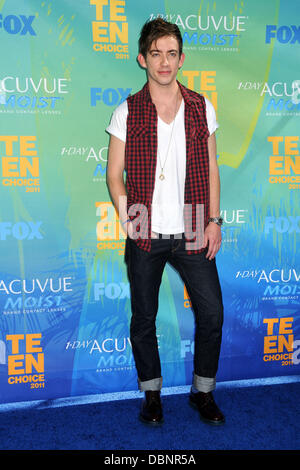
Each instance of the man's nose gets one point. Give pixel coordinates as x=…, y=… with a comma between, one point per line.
x=164, y=59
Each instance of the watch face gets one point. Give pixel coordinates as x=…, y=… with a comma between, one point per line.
x=216, y=220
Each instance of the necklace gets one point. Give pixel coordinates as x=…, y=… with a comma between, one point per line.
x=162, y=176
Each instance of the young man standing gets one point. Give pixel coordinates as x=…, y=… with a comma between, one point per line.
x=163, y=137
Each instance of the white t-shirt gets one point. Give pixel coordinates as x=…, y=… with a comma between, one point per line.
x=168, y=194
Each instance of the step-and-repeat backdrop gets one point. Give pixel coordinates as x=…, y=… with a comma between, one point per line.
x=64, y=293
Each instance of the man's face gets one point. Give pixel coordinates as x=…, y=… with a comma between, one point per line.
x=162, y=61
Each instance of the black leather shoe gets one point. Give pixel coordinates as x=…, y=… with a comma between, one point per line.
x=205, y=404
x=151, y=412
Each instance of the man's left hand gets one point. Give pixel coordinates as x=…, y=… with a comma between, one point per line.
x=212, y=239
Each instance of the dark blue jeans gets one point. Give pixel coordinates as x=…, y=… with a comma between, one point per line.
x=200, y=276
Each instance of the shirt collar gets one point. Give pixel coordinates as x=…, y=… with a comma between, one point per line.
x=186, y=93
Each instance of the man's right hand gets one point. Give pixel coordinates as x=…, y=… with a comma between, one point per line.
x=129, y=228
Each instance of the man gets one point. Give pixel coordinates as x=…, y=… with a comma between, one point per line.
x=163, y=137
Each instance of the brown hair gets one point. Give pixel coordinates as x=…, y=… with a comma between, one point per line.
x=155, y=29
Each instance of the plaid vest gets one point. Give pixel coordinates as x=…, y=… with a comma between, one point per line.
x=140, y=166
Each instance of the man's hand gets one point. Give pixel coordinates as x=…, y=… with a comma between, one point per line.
x=129, y=229
x=212, y=239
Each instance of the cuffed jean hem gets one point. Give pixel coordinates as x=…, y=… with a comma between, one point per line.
x=204, y=384
x=153, y=384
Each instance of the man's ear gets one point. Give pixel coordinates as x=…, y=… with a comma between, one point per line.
x=181, y=60
x=141, y=61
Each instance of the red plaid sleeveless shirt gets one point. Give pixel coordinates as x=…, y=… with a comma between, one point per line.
x=140, y=164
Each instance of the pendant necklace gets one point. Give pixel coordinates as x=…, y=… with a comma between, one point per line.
x=162, y=176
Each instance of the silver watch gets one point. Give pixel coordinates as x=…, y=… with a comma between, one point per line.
x=216, y=220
